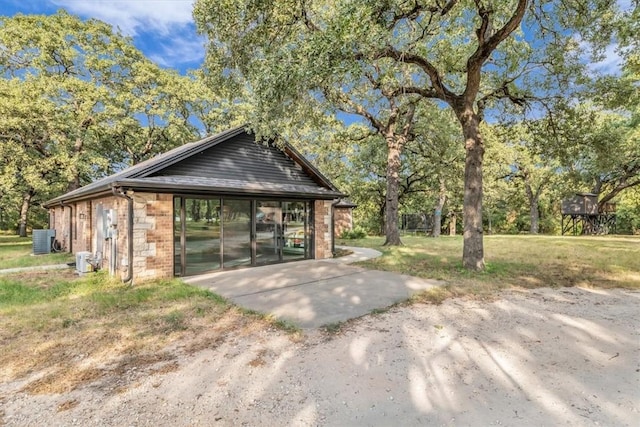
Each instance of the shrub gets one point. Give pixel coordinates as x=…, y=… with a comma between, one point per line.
x=356, y=233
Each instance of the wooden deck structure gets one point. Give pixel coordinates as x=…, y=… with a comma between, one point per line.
x=582, y=215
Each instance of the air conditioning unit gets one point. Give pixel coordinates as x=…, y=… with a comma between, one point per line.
x=42, y=240
x=82, y=263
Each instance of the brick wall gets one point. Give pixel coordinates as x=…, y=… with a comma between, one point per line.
x=82, y=226
x=152, y=233
x=322, y=227
x=59, y=220
x=73, y=226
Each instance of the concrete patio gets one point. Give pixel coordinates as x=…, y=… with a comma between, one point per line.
x=314, y=293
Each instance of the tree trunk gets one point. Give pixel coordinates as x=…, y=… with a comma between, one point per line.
x=437, y=214
x=392, y=232
x=24, y=213
x=381, y=214
x=452, y=224
x=473, y=249
x=534, y=210
x=534, y=213
x=74, y=183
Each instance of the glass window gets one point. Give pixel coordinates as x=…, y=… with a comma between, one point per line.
x=236, y=231
x=199, y=220
x=210, y=234
x=269, y=232
x=296, y=234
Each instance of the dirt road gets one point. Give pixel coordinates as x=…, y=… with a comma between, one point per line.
x=533, y=357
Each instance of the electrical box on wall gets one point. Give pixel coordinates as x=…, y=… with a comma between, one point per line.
x=111, y=218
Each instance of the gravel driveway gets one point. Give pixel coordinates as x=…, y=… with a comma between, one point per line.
x=566, y=356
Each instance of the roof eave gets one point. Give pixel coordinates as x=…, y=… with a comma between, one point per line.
x=61, y=200
x=223, y=191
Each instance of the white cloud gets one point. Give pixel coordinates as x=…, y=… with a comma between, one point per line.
x=134, y=16
x=164, y=27
x=611, y=63
x=182, y=50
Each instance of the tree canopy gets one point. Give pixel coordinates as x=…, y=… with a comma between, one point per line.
x=78, y=100
x=384, y=57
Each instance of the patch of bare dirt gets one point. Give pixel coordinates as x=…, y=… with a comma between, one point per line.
x=566, y=356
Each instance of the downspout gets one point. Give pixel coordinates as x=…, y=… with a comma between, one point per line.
x=119, y=193
x=66, y=205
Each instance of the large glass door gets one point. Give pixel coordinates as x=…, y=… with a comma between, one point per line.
x=296, y=234
x=210, y=234
x=236, y=233
x=269, y=232
x=196, y=235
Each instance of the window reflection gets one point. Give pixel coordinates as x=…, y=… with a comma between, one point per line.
x=236, y=232
x=210, y=234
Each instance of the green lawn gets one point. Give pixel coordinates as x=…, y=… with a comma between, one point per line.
x=522, y=261
x=16, y=252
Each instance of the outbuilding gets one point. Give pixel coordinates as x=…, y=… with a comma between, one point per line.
x=225, y=201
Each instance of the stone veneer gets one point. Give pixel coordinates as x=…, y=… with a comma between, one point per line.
x=343, y=220
x=322, y=227
x=152, y=235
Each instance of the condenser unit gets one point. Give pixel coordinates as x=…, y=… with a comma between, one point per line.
x=83, y=264
x=42, y=241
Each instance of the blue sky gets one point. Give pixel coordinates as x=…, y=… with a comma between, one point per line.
x=162, y=29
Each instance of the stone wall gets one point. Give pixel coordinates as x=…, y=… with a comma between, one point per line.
x=152, y=235
x=343, y=220
x=322, y=227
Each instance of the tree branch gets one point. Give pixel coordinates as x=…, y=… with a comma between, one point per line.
x=487, y=46
x=438, y=87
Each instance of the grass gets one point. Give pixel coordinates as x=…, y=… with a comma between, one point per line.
x=513, y=261
x=60, y=331
x=16, y=252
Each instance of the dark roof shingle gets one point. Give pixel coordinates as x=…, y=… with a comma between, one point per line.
x=156, y=174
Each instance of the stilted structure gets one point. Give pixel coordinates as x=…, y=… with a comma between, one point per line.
x=581, y=215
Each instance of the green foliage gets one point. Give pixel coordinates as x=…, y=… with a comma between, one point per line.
x=519, y=261
x=355, y=233
x=14, y=293
x=104, y=294
x=77, y=101
x=380, y=60
x=628, y=212
x=333, y=328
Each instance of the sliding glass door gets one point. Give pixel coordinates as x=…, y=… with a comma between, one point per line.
x=296, y=236
x=269, y=232
x=215, y=233
x=236, y=231
x=196, y=235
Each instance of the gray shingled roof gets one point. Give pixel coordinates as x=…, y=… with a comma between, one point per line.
x=141, y=177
